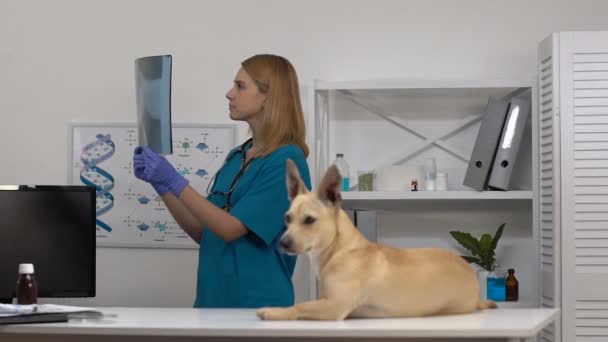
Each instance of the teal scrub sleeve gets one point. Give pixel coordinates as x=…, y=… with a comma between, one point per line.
x=262, y=209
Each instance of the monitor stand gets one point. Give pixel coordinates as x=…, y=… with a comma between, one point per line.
x=6, y=300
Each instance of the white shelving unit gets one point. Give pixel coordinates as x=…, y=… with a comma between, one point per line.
x=435, y=195
x=407, y=108
x=393, y=200
x=516, y=305
x=391, y=122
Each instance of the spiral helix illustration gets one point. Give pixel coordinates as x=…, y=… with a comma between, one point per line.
x=91, y=155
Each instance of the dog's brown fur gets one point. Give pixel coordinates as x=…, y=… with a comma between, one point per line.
x=359, y=278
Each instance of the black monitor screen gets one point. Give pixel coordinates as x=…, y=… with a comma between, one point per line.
x=52, y=227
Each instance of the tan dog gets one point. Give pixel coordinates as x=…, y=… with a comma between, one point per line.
x=363, y=279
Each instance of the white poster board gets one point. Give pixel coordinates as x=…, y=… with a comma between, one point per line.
x=129, y=213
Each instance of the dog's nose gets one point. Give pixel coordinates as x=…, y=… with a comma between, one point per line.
x=286, y=242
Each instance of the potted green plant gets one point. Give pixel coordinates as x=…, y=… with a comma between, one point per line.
x=483, y=252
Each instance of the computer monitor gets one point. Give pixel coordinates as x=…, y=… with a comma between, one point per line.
x=153, y=94
x=52, y=227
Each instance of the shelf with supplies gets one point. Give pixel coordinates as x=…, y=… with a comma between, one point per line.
x=389, y=130
x=517, y=305
x=391, y=127
x=434, y=200
x=435, y=195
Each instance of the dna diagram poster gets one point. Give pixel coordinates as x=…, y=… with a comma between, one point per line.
x=129, y=212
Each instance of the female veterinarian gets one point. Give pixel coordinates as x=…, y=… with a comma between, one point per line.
x=239, y=222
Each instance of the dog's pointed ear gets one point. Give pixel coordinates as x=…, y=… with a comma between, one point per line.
x=295, y=185
x=329, y=189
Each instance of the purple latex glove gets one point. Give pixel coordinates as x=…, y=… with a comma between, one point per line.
x=138, y=169
x=156, y=170
x=160, y=189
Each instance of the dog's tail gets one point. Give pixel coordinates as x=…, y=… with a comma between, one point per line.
x=486, y=304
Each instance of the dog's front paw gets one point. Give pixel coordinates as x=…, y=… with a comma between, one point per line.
x=276, y=314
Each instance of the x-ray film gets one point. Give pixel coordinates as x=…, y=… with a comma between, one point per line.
x=153, y=92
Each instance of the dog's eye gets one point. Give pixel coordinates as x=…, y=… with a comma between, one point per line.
x=287, y=218
x=309, y=220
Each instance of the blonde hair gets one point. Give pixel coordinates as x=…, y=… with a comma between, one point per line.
x=283, y=118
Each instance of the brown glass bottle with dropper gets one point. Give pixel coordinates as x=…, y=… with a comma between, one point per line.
x=512, y=286
x=27, y=289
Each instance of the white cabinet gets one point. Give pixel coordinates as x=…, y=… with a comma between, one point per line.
x=403, y=122
x=573, y=130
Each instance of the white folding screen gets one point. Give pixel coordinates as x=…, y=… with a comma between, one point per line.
x=549, y=193
x=584, y=91
x=579, y=206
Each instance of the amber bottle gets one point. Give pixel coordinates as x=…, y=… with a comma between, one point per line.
x=512, y=286
x=27, y=289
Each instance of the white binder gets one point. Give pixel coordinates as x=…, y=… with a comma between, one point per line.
x=510, y=142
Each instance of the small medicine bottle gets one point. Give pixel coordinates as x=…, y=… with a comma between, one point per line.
x=512, y=286
x=27, y=289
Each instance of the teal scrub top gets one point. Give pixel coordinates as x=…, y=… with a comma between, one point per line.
x=250, y=272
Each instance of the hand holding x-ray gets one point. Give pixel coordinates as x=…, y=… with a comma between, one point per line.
x=156, y=170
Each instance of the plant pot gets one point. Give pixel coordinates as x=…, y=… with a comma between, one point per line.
x=482, y=278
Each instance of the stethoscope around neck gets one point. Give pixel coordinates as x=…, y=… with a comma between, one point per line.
x=241, y=150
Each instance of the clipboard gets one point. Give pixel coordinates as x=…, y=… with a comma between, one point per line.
x=44, y=313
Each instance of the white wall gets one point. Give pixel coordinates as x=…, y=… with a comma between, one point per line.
x=63, y=61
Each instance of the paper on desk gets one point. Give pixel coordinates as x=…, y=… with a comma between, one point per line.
x=9, y=310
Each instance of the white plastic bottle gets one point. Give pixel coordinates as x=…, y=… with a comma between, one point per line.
x=430, y=174
x=343, y=169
